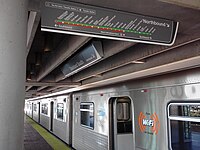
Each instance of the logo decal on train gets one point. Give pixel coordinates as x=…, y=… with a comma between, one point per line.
x=149, y=123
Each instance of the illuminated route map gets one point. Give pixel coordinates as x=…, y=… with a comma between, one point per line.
x=75, y=18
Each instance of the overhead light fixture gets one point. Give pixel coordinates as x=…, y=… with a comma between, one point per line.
x=32, y=69
x=138, y=62
x=28, y=77
x=48, y=43
x=47, y=49
x=98, y=75
x=38, y=59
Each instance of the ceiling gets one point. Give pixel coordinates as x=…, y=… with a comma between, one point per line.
x=47, y=52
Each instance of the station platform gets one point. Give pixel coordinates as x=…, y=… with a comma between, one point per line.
x=38, y=138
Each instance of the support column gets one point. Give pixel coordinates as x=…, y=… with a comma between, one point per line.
x=13, y=25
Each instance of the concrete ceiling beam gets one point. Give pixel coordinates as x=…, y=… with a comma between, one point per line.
x=70, y=84
x=34, y=5
x=41, y=88
x=137, y=52
x=28, y=88
x=195, y=4
x=109, y=48
x=186, y=52
x=33, y=21
x=179, y=63
x=67, y=47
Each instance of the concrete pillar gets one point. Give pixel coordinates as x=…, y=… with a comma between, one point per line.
x=13, y=22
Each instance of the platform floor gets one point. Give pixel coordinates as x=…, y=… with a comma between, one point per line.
x=33, y=140
x=37, y=138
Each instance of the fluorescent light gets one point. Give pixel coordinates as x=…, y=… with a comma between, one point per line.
x=98, y=75
x=138, y=62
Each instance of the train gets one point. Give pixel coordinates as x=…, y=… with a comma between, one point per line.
x=159, y=112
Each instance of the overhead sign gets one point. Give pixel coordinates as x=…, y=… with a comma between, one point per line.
x=80, y=19
x=83, y=59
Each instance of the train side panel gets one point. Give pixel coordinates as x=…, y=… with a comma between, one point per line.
x=153, y=125
x=28, y=109
x=90, y=132
x=36, y=111
x=150, y=117
x=45, y=113
x=61, y=118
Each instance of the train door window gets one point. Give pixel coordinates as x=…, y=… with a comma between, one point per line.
x=123, y=111
x=87, y=115
x=124, y=121
x=26, y=106
x=35, y=107
x=60, y=107
x=184, y=123
x=45, y=108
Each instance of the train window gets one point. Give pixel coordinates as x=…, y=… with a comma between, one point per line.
x=87, y=114
x=184, y=123
x=185, y=110
x=34, y=107
x=123, y=111
x=60, y=107
x=45, y=108
x=27, y=106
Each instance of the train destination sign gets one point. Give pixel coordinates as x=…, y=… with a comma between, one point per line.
x=79, y=19
x=83, y=59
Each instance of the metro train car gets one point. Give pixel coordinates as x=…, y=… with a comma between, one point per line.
x=53, y=114
x=155, y=113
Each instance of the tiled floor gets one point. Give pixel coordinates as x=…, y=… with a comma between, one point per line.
x=33, y=140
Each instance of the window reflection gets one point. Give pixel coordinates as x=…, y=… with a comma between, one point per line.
x=45, y=108
x=87, y=114
x=185, y=135
x=60, y=107
x=124, y=121
x=185, y=126
x=35, y=107
x=185, y=110
x=123, y=111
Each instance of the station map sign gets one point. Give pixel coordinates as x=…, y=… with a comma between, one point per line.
x=80, y=19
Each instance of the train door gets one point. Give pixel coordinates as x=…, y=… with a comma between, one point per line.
x=120, y=124
x=38, y=112
x=51, y=115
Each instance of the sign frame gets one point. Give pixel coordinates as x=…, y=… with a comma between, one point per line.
x=54, y=27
